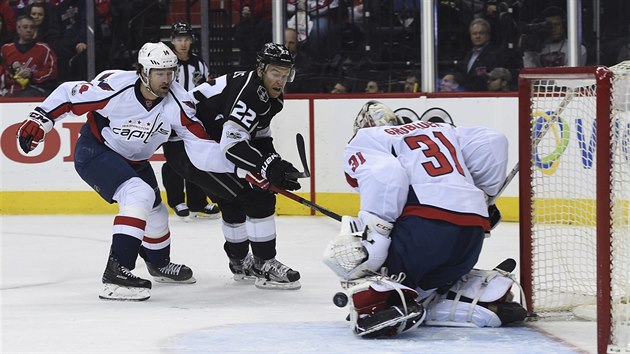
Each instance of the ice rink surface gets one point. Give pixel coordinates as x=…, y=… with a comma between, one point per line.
x=50, y=279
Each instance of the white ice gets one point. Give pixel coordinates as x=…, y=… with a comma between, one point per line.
x=52, y=265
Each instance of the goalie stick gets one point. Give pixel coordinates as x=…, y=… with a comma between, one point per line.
x=561, y=107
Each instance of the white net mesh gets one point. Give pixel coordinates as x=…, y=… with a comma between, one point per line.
x=564, y=198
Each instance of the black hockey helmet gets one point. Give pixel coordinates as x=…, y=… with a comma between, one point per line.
x=275, y=54
x=181, y=28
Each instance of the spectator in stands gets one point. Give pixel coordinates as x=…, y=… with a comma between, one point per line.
x=253, y=30
x=72, y=50
x=47, y=26
x=298, y=19
x=372, y=87
x=187, y=200
x=554, y=50
x=340, y=87
x=302, y=60
x=482, y=58
x=31, y=67
x=499, y=79
x=411, y=83
x=303, y=64
x=324, y=16
x=5, y=35
x=103, y=34
x=450, y=83
x=8, y=17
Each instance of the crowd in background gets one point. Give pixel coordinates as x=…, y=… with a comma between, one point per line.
x=340, y=46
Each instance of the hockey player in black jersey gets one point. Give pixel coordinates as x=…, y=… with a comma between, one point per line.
x=237, y=109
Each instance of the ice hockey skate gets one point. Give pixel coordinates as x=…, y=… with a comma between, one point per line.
x=272, y=274
x=120, y=284
x=210, y=211
x=242, y=269
x=182, y=211
x=171, y=273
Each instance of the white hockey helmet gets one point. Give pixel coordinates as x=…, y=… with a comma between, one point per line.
x=374, y=114
x=436, y=115
x=156, y=56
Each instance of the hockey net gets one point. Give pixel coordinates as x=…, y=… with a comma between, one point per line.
x=574, y=161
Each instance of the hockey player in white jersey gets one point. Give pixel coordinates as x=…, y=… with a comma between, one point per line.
x=129, y=115
x=423, y=187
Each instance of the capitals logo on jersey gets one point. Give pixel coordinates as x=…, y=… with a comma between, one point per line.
x=80, y=88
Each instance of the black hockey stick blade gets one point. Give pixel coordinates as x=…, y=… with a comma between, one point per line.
x=299, y=140
x=507, y=265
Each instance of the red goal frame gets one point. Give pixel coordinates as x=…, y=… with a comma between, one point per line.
x=603, y=78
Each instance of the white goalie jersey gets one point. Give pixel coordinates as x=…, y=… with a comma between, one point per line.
x=432, y=170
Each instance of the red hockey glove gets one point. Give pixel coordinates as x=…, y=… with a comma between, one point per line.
x=33, y=130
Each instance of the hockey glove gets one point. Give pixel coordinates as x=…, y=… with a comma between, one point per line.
x=494, y=215
x=33, y=130
x=279, y=172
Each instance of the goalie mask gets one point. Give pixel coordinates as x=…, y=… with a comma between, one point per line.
x=375, y=114
x=436, y=115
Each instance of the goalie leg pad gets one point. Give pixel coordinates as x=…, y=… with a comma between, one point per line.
x=478, y=299
x=382, y=307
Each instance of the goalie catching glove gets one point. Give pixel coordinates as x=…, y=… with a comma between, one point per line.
x=361, y=247
x=279, y=172
x=33, y=130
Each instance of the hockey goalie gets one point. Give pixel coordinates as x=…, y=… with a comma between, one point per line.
x=408, y=257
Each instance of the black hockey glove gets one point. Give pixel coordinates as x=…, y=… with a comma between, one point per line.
x=494, y=215
x=279, y=172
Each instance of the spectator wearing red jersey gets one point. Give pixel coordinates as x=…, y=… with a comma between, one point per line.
x=31, y=67
x=8, y=16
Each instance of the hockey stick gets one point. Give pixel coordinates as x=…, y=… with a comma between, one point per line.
x=299, y=140
x=264, y=184
x=561, y=107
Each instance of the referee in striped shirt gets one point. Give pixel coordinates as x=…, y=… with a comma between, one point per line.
x=192, y=71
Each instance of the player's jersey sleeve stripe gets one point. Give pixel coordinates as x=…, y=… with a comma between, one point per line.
x=77, y=108
x=193, y=127
x=352, y=181
x=80, y=108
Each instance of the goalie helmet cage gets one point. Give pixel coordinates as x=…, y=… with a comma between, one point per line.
x=574, y=191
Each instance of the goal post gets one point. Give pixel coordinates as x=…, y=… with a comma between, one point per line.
x=574, y=190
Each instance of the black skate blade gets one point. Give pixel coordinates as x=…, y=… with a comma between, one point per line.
x=507, y=265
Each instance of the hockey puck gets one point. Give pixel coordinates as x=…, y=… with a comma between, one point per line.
x=340, y=299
